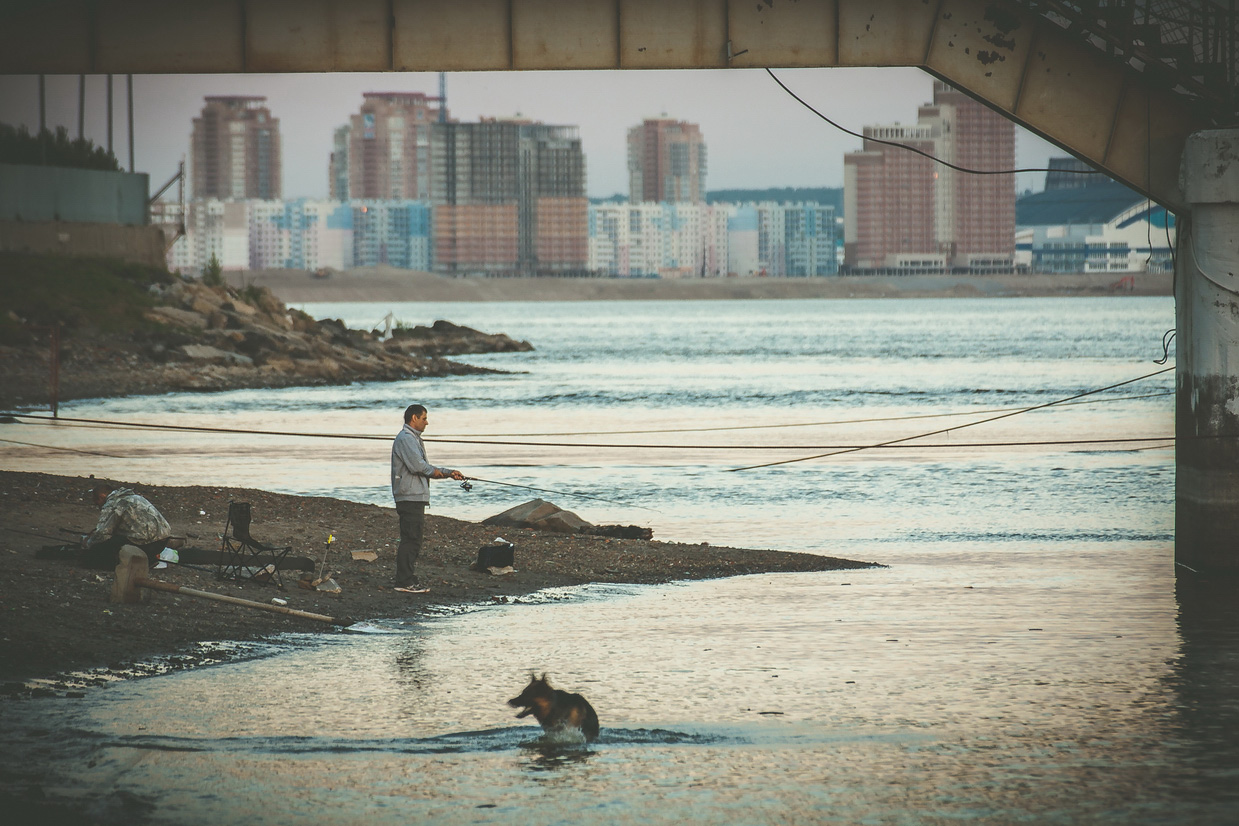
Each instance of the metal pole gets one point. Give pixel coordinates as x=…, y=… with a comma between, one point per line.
x=109, y=114
x=54, y=390
x=129, y=89
x=81, y=107
x=42, y=119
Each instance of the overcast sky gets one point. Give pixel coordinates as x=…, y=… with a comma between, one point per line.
x=757, y=136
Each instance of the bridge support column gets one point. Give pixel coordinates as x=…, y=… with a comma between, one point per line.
x=1207, y=346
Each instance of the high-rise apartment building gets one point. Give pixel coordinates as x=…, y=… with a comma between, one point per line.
x=905, y=213
x=388, y=151
x=235, y=149
x=666, y=162
x=509, y=198
x=337, y=165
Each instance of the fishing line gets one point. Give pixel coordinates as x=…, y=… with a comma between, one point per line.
x=960, y=427
x=466, y=486
x=68, y=449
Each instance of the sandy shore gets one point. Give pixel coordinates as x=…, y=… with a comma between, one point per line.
x=60, y=632
x=392, y=285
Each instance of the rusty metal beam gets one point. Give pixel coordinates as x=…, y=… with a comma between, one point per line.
x=1009, y=58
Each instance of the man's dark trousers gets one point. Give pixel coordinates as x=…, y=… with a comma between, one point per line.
x=412, y=518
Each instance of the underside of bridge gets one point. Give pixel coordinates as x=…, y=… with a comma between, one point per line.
x=1143, y=90
x=1119, y=84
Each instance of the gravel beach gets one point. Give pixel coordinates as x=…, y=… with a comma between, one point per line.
x=60, y=632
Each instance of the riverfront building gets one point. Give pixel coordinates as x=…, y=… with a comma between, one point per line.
x=509, y=199
x=1090, y=223
x=666, y=162
x=385, y=150
x=658, y=240
x=304, y=234
x=682, y=240
x=906, y=213
x=235, y=149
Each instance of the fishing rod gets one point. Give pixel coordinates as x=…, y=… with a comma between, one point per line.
x=468, y=479
x=59, y=539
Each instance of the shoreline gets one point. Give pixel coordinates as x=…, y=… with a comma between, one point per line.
x=387, y=284
x=62, y=634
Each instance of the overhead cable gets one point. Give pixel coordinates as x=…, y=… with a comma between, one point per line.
x=948, y=164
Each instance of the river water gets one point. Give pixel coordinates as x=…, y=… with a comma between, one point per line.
x=1026, y=655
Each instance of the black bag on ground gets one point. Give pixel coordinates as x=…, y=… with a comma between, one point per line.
x=498, y=554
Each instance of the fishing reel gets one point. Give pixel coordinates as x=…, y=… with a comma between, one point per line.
x=466, y=485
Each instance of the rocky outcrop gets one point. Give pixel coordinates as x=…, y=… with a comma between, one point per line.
x=444, y=338
x=199, y=337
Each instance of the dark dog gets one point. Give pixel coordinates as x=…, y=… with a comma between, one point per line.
x=558, y=711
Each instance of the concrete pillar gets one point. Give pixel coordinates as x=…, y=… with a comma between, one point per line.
x=1207, y=346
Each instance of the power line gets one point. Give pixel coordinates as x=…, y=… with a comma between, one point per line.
x=948, y=164
x=104, y=424
x=722, y=428
x=652, y=446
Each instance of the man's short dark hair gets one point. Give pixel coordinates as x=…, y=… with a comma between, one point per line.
x=413, y=410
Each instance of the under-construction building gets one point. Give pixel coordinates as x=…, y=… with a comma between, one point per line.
x=235, y=148
x=509, y=199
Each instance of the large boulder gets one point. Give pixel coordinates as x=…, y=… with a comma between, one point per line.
x=540, y=515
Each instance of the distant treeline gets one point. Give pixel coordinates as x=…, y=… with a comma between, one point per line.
x=49, y=148
x=824, y=195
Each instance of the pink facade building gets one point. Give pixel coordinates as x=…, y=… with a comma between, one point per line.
x=235, y=149
x=666, y=162
x=389, y=149
x=905, y=213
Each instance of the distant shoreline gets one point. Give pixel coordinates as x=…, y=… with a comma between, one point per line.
x=387, y=284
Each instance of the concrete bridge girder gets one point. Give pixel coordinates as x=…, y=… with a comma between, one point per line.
x=1016, y=62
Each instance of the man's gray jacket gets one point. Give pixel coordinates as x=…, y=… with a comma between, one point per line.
x=410, y=472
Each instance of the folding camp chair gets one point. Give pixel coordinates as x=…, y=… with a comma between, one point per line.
x=243, y=557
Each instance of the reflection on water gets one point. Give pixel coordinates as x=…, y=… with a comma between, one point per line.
x=1053, y=694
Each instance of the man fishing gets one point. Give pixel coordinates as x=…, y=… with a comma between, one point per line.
x=410, y=487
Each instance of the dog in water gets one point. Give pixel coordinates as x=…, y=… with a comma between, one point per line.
x=559, y=712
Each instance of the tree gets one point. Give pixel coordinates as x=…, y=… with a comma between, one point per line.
x=49, y=148
x=213, y=273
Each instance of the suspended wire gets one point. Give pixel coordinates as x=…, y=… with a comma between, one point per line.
x=1167, y=337
x=772, y=448
x=727, y=447
x=107, y=424
x=960, y=427
x=948, y=164
x=785, y=425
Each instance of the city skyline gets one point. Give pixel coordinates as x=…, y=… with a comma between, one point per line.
x=757, y=135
